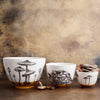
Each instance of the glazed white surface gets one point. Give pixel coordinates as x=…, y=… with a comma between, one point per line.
x=93, y=78
x=11, y=62
x=69, y=67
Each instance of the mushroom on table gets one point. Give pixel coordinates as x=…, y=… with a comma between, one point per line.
x=41, y=87
x=19, y=69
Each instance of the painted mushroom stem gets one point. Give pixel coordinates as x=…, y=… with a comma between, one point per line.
x=9, y=73
x=85, y=78
x=26, y=63
x=89, y=78
x=27, y=75
x=19, y=69
x=14, y=78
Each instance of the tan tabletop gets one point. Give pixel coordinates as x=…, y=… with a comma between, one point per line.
x=74, y=92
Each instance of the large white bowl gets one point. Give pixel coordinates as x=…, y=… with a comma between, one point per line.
x=60, y=74
x=24, y=72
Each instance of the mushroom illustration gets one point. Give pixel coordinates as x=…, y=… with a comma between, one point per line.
x=89, y=76
x=27, y=75
x=19, y=69
x=26, y=63
x=85, y=78
x=14, y=78
x=9, y=72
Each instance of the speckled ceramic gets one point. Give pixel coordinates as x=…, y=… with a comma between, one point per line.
x=87, y=78
x=60, y=74
x=23, y=72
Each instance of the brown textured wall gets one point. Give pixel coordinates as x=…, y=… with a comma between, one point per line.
x=60, y=30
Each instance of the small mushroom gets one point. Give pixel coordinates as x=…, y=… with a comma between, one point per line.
x=79, y=68
x=52, y=87
x=41, y=87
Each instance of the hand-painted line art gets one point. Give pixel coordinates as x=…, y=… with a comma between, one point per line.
x=87, y=78
x=28, y=72
x=59, y=77
x=9, y=71
x=19, y=69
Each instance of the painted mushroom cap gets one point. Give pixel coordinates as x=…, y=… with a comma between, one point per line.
x=19, y=69
x=8, y=69
x=28, y=73
x=89, y=76
x=26, y=62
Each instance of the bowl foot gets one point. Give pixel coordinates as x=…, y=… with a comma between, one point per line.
x=24, y=85
x=28, y=87
x=87, y=85
x=62, y=85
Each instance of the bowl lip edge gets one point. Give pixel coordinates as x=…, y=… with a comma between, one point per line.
x=59, y=64
x=24, y=58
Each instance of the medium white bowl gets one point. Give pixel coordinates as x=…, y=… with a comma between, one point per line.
x=60, y=74
x=23, y=72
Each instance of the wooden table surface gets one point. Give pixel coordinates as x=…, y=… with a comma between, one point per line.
x=74, y=92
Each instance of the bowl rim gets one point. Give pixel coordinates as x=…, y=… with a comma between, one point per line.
x=59, y=64
x=88, y=72
x=24, y=58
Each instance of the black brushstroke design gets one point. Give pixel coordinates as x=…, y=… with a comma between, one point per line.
x=27, y=75
x=59, y=77
x=87, y=77
x=14, y=78
x=28, y=72
x=19, y=69
x=9, y=71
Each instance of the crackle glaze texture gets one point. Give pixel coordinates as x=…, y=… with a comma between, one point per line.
x=60, y=30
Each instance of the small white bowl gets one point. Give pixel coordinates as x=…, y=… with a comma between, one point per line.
x=87, y=78
x=23, y=72
x=60, y=74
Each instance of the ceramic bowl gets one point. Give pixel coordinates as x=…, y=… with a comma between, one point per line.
x=23, y=72
x=60, y=74
x=87, y=79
